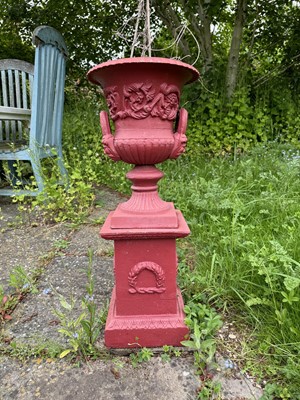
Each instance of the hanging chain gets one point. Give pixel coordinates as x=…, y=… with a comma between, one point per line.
x=143, y=12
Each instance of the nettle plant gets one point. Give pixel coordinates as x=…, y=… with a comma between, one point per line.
x=281, y=287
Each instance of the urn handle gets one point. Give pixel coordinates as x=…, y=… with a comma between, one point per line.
x=180, y=138
x=108, y=138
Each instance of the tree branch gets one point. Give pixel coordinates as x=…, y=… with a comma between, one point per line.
x=170, y=18
x=233, y=60
x=201, y=30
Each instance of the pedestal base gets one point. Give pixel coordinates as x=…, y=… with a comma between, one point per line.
x=146, y=308
x=145, y=330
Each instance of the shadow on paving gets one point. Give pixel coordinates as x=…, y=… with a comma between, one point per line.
x=33, y=321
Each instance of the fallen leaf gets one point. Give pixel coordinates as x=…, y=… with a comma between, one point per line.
x=115, y=372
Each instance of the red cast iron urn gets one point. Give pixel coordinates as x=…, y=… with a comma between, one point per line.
x=143, y=95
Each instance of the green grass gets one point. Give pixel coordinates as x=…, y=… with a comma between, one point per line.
x=244, y=214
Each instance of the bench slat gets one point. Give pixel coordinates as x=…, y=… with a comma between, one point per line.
x=18, y=102
x=4, y=100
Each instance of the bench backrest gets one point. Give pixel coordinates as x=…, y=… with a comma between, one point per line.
x=16, y=85
x=48, y=88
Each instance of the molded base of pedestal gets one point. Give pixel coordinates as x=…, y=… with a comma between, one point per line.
x=145, y=330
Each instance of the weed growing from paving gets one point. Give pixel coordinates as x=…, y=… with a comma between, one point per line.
x=22, y=283
x=203, y=322
x=82, y=331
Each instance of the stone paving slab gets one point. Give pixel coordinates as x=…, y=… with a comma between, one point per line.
x=88, y=238
x=154, y=380
x=33, y=321
x=234, y=384
x=24, y=245
x=65, y=276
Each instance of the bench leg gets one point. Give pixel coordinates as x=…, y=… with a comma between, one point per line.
x=37, y=171
x=62, y=169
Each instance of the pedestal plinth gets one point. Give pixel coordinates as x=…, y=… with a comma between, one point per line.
x=146, y=307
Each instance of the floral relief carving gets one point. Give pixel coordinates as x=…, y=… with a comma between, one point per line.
x=112, y=99
x=152, y=267
x=140, y=101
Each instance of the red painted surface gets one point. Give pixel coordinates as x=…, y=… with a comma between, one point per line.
x=144, y=330
x=143, y=94
x=145, y=209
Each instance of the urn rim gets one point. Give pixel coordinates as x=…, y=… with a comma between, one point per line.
x=144, y=60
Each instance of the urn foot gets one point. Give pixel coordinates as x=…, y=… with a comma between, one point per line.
x=145, y=209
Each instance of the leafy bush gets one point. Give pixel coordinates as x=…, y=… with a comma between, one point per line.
x=218, y=126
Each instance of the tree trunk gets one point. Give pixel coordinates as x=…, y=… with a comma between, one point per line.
x=233, y=60
x=200, y=23
x=204, y=33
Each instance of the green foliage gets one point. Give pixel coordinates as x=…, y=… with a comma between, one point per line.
x=88, y=27
x=47, y=349
x=61, y=244
x=203, y=322
x=141, y=356
x=217, y=126
x=209, y=390
x=22, y=283
x=168, y=352
x=244, y=214
x=58, y=202
x=83, y=145
x=12, y=44
x=273, y=391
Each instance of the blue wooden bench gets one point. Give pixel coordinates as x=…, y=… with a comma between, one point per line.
x=31, y=108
